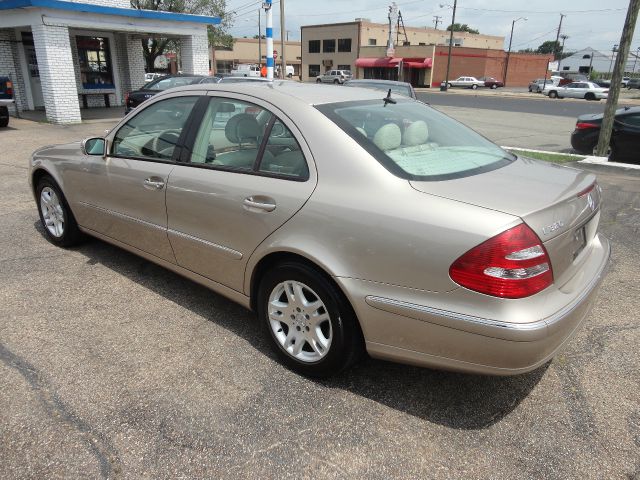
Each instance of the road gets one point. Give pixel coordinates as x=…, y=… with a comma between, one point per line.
x=112, y=367
x=494, y=101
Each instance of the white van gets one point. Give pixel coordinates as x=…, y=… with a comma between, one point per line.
x=246, y=70
x=289, y=71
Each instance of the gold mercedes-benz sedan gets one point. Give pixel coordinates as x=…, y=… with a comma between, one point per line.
x=349, y=219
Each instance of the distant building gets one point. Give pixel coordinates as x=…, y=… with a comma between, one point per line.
x=247, y=50
x=582, y=60
x=338, y=45
x=419, y=58
x=64, y=55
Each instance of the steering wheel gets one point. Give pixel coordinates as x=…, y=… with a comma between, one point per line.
x=163, y=145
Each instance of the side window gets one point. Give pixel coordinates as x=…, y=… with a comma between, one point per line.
x=282, y=155
x=230, y=134
x=631, y=120
x=154, y=132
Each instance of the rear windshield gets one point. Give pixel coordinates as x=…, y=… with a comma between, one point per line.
x=414, y=141
x=395, y=88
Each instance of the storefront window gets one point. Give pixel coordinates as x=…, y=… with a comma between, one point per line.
x=95, y=62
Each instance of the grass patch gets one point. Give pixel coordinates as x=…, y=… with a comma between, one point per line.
x=548, y=157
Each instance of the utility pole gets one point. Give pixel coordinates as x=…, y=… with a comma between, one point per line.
x=563, y=37
x=613, y=51
x=443, y=88
x=437, y=20
x=555, y=46
x=267, y=4
x=506, y=63
x=616, y=79
x=283, y=68
x=635, y=59
x=590, y=63
x=259, y=40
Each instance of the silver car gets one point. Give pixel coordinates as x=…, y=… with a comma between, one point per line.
x=586, y=90
x=466, y=82
x=348, y=221
x=335, y=76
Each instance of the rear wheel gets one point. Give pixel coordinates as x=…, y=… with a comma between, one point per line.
x=589, y=96
x=494, y=86
x=318, y=80
x=474, y=86
x=5, y=113
x=311, y=324
x=609, y=153
x=336, y=81
x=449, y=85
x=553, y=94
x=57, y=219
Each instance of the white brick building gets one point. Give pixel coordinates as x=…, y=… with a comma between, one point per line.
x=66, y=55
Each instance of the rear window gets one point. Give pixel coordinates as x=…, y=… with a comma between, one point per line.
x=170, y=82
x=414, y=141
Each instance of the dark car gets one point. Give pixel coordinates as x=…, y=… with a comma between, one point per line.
x=625, y=138
x=133, y=99
x=400, y=88
x=633, y=83
x=491, y=82
x=6, y=98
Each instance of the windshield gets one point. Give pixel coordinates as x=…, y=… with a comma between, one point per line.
x=170, y=82
x=414, y=141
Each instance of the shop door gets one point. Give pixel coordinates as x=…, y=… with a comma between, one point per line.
x=34, y=76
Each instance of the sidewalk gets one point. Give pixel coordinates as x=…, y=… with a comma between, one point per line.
x=89, y=115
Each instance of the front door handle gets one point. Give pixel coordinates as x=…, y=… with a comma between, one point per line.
x=153, y=183
x=259, y=202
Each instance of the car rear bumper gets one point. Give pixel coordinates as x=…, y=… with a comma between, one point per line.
x=408, y=332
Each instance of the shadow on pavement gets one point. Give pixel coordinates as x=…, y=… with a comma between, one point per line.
x=453, y=400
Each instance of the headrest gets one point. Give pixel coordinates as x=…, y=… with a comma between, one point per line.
x=388, y=137
x=242, y=128
x=415, y=134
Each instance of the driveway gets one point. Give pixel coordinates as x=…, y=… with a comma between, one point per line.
x=113, y=367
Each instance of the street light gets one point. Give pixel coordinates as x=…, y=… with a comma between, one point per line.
x=443, y=88
x=506, y=65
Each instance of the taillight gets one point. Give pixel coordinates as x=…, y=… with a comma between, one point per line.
x=9, y=88
x=126, y=98
x=513, y=264
x=586, y=125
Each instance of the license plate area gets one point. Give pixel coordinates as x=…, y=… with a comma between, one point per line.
x=579, y=240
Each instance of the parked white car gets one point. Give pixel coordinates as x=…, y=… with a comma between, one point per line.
x=536, y=86
x=246, y=70
x=149, y=77
x=586, y=90
x=466, y=82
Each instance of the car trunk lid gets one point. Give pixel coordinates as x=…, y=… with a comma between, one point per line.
x=560, y=204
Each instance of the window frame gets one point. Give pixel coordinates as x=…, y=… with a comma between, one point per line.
x=317, y=74
x=83, y=56
x=180, y=144
x=343, y=41
x=319, y=43
x=326, y=45
x=190, y=138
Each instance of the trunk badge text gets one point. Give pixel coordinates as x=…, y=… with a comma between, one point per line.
x=553, y=227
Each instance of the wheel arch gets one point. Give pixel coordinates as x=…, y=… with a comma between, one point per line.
x=38, y=173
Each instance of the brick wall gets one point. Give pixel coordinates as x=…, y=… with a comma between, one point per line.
x=194, y=52
x=55, y=62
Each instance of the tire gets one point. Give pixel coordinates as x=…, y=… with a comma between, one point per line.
x=290, y=75
x=449, y=85
x=53, y=208
x=609, y=153
x=494, y=86
x=474, y=87
x=4, y=122
x=318, y=81
x=553, y=94
x=589, y=96
x=336, y=81
x=530, y=89
x=337, y=339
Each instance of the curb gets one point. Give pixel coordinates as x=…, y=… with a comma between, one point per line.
x=588, y=159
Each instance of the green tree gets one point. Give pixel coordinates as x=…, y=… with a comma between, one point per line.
x=550, y=46
x=457, y=27
x=153, y=47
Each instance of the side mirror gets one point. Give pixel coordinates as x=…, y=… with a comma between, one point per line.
x=93, y=146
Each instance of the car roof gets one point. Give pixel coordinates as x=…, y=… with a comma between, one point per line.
x=309, y=93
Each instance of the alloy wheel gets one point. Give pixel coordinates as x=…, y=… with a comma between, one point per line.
x=300, y=321
x=52, y=212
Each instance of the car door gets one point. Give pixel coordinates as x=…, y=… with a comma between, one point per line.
x=626, y=136
x=248, y=171
x=122, y=195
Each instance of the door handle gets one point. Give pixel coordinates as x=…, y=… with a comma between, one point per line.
x=259, y=202
x=153, y=183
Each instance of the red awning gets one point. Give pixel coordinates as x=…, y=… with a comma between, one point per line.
x=378, y=62
x=387, y=62
x=418, y=63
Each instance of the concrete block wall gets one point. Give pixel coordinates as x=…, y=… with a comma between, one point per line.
x=131, y=62
x=194, y=52
x=55, y=62
x=10, y=67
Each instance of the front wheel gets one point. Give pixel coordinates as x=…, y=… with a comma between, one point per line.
x=494, y=86
x=589, y=96
x=57, y=219
x=553, y=94
x=474, y=86
x=318, y=81
x=336, y=81
x=309, y=321
x=449, y=85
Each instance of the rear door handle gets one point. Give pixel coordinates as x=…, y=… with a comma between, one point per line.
x=259, y=202
x=153, y=183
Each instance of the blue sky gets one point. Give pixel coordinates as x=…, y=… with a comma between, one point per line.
x=591, y=23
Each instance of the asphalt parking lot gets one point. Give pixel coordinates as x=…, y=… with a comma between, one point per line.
x=113, y=367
